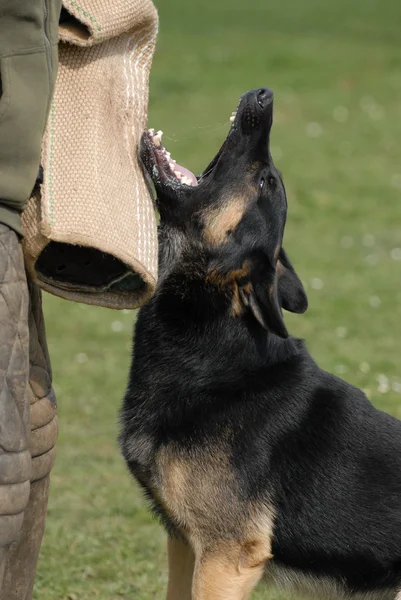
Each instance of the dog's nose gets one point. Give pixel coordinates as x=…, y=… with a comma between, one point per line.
x=264, y=97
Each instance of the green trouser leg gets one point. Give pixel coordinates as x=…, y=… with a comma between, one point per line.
x=28, y=68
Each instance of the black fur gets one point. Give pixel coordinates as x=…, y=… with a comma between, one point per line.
x=304, y=439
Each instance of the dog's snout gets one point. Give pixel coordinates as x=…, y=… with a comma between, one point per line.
x=255, y=113
x=264, y=97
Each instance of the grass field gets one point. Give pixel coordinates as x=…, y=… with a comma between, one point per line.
x=335, y=68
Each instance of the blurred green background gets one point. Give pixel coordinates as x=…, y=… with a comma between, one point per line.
x=335, y=68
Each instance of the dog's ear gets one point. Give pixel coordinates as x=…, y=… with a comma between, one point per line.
x=291, y=293
x=260, y=295
x=270, y=288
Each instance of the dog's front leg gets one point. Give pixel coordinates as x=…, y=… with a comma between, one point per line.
x=229, y=572
x=181, y=561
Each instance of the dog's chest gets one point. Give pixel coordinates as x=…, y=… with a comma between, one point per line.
x=193, y=490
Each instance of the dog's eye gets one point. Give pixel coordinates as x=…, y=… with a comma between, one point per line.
x=262, y=183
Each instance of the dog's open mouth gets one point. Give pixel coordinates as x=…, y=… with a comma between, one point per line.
x=163, y=169
x=171, y=169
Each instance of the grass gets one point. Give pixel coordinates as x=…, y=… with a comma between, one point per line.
x=335, y=68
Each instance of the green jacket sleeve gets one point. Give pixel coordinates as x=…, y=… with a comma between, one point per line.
x=28, y=68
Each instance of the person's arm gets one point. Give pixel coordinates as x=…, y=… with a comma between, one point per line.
x=28, y=68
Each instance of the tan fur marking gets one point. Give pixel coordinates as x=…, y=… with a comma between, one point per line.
x=220, y=221
x=237, y=306
x=229, y=572
x=231, y=538
x=230, y=282
x=248, y=288
x=228, y=279
x=194, y=489
x=280, y=269
x=181, y=563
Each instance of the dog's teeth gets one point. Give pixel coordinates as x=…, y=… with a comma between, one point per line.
x=232, y=119
x=178, y=174
x=168, y=154
x=157, y=139
x=186, y=180
x=151, y=132
x=171, y=165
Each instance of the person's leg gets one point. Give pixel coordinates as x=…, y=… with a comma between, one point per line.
x=23, y=555
x=28, y=423
x=15, y=458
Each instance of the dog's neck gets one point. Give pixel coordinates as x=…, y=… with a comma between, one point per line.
x=189, y=303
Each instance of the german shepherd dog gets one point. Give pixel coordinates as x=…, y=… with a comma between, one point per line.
x=258, y=463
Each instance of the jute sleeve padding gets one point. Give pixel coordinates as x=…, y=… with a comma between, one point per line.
x=91, y=230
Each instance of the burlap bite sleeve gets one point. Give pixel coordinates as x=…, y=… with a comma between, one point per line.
x=90, y=231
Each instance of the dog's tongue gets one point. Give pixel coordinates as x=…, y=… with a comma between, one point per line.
x=185, y=173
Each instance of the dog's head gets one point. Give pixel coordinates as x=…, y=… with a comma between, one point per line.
x=229, y=222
